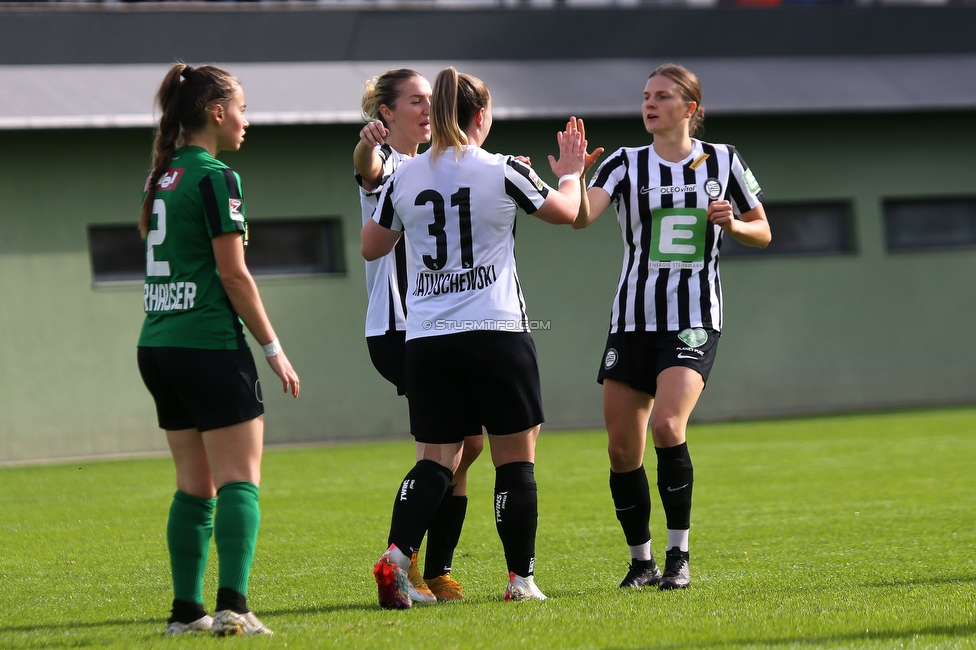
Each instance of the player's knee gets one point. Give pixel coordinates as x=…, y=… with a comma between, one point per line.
x=667, y=431
x=624, y=457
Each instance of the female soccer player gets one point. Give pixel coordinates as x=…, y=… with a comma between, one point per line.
x=470, y=358
x=192, y=353
x=397, y=103
x=674, y=199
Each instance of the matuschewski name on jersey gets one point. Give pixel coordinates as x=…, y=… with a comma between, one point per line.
x=458, y=213
x=670, y=276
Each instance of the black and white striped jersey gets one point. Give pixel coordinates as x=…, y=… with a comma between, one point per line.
x=670, y=277
x=386, y=278
x=458, y=213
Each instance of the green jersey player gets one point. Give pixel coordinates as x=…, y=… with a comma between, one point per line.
x=185, y=303
x=192, y=353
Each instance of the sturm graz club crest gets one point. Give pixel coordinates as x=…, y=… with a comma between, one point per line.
x=713, y=188
x=611, y=359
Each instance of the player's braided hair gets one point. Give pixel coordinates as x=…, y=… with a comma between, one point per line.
x=690, y=90
x=455, y=100
x=384, y=89
x=183, y=99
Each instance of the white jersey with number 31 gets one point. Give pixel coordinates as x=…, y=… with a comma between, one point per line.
x=458, y=213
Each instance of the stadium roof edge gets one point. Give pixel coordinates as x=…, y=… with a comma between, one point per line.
x=120, y=95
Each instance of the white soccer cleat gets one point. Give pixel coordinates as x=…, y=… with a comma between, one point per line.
x=393, y=586
x=202, y=624
x=520, y=588
x=228, y=623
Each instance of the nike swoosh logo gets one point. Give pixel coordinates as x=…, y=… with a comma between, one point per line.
x=687, y=356
x=646, y=190
x=623, y=509
x=671, y=489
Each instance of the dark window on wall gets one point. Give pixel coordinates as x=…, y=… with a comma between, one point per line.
x=820, y=228
x=295, y=247
x=117, y=253
x=283, y=247
x=927, y=224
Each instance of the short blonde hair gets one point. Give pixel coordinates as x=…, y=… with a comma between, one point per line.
x=384, y=89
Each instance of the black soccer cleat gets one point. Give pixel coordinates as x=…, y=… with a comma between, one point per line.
x=676, y=573
x=641, y=574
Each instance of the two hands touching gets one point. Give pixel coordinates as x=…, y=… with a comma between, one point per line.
x=573, y=158
x=574, y=137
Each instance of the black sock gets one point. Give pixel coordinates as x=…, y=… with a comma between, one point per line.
x=443, y=534
x=675, y=479
x=418, y=498
x=228, y=598
x=185, y=611
x=517, y=515
x=632, y=501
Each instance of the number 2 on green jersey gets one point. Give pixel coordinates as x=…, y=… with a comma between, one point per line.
x=154, y=267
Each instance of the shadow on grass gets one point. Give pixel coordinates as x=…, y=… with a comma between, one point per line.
x=828, y=639
x=80, y=625
x=919, y=582
x=324, y=609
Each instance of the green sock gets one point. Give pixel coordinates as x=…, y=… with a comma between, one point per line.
x=188, y=533
x=236, y=533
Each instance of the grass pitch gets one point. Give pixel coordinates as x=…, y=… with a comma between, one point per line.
x=841, y=532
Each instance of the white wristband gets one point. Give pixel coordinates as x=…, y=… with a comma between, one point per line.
x=272, y=348
x=574, y=177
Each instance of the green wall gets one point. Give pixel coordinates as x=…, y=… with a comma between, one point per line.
x=803, y=334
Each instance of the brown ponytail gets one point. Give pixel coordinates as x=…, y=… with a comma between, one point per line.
x=455, y=100
x=183, y=99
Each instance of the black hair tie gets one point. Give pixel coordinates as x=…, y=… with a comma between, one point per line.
x=187, y=71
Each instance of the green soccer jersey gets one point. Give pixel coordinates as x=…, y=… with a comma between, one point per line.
x=186, y=306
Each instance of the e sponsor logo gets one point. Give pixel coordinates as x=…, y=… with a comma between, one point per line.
x=678, y=237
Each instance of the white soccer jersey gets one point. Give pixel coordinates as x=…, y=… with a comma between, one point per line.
x=459, y=217
x=670, y=279
x=386, y=278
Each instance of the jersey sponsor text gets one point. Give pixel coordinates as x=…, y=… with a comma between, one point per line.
x=679, y=189
x=168, y=181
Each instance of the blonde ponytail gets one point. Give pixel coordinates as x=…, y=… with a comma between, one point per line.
x=455, y=100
